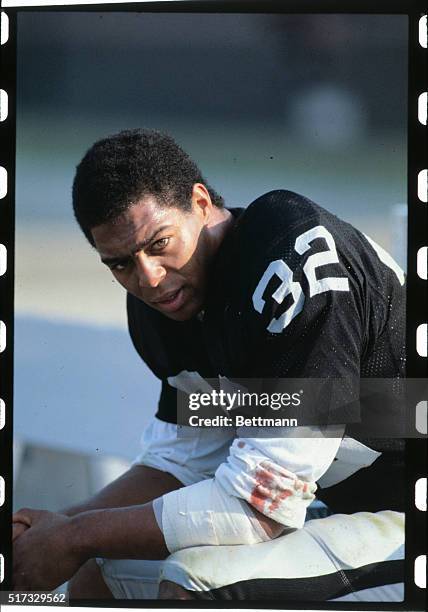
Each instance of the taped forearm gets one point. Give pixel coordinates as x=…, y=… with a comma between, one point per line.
x=218, y=511
x=277, y=476
x=204, y=514
x=272, y=490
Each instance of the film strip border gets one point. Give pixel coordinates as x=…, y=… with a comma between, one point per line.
x=417, y=326
x=7, y=233
x=417, y=308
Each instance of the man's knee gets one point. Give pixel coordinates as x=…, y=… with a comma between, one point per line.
x=170, y=590
x=88, y=583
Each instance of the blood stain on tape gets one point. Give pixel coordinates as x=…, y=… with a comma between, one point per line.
x=268, y=490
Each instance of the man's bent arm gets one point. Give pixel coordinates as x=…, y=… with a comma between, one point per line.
x=119, y=533
x=139, y=485
x=56, y=546
x=131, y=533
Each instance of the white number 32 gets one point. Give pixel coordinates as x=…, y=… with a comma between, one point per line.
x=289, y=286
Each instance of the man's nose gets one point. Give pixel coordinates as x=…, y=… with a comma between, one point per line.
x=150, y=272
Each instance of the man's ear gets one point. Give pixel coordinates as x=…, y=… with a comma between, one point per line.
x=201, y=201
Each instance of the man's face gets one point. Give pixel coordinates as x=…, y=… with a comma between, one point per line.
x=159, y=254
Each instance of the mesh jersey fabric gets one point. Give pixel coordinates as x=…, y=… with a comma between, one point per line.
x=343, y=334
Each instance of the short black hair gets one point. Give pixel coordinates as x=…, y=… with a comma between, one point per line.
x=120, y=169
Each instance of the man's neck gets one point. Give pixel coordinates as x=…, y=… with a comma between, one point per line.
x=220, y=225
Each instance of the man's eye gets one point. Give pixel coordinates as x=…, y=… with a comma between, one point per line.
x=160, y=244
x=119, y=267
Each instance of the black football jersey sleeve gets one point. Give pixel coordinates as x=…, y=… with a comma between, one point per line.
x=295, y=292
x=310, y=294
x=318, y=299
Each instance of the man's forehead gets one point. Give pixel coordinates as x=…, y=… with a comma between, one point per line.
x=133, y=226
x=143, y=212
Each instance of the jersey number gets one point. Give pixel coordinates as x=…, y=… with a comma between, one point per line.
x=289, y=286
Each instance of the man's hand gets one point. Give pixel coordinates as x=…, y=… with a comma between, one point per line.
x=45, y=543
x=271, y=527
x=56, y=546
x=20, y=523
x=46, y=555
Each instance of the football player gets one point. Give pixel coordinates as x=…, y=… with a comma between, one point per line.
x=281, y=289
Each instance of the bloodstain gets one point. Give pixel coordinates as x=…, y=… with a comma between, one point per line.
x=299, y=485
x=241, y=444
x=268, y=490
x=278, y=499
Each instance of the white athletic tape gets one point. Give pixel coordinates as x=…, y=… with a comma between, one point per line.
x=203, y=514
x=255, y=471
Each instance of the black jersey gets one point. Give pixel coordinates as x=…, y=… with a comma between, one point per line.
x=294, y=292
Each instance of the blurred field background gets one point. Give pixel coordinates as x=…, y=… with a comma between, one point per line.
x=316, y=104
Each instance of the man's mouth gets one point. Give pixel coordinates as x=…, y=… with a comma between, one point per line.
x=171, y=301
